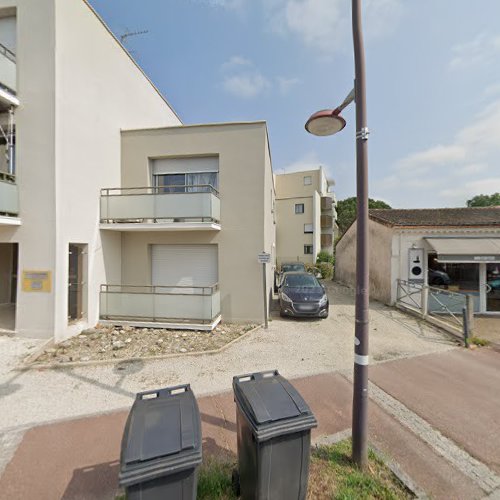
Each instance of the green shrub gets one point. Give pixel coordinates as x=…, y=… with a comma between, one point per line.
x=326, y=270
x=324, y=256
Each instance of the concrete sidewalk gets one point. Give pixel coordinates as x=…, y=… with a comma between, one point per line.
x=78, y=459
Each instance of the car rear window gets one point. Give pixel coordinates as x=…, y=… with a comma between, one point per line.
x=301, y=280
x=286, y=268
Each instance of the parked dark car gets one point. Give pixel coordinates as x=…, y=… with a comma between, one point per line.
x=287, y=267
x=436, y=277
x=302, y=295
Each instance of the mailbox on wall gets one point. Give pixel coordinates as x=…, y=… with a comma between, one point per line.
x=416, y=265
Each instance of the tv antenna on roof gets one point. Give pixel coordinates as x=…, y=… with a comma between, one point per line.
x=128, y=34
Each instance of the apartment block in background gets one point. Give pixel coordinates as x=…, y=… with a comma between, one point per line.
x=306, y=215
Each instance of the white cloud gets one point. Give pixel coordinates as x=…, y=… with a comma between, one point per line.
x=227, y=4
x=483, y=49
x=325, y=25
x=457, y=195
x=435, y=156
x=309, y=161
x=453, y=172
x=236, y=62
x=285, y=84
x=246, y=85
x=243, y=79
x=492, y=90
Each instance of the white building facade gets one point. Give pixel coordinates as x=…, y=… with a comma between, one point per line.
x=67, y=90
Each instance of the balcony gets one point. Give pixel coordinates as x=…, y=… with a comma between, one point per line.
x=326, y=203
x=178, y=208
x=195, y=308
x=9, y=201
x=8, y=84
x=327, y=241
x=326, y=222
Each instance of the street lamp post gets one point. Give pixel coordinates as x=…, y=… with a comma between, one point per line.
x=328, y=122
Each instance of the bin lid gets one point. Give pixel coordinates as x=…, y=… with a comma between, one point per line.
x=161, y=423
x=268, y=399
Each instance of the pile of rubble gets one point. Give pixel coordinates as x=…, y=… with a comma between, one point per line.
x=107, y=342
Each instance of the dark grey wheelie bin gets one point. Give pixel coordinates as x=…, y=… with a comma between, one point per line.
x=274, y=435
x=161, y=446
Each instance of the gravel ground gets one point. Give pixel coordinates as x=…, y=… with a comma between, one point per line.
x=296, y=348
x=120, y=343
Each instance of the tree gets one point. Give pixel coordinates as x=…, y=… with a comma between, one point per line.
x=484, y=200
x=346, y=211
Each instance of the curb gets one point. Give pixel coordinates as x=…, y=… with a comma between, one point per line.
x=30, y=362
x=393, y=466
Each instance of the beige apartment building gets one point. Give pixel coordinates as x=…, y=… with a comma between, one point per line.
x=178, y=246
x=306, y=215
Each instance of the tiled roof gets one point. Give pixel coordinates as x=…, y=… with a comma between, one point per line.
x=450, y=217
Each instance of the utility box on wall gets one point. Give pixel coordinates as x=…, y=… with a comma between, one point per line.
x=416, y=265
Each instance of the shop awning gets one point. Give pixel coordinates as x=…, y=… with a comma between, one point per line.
x=463, y=249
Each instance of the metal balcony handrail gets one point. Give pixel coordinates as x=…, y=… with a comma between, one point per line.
x=6, y=177
x=153, y=289
x=151, y=190
x=7, y=53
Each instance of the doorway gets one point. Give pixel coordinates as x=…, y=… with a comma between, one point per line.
x=8, y=285
x=77, y=282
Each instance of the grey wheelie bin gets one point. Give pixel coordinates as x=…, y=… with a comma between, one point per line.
x=274, y=435
x=161, y=446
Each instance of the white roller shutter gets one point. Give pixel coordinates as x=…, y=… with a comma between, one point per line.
x=185, y=165
x=184, y=265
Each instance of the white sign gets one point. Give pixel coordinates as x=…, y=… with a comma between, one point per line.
x=264, y=258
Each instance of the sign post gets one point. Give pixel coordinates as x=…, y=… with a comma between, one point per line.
x=264, y=258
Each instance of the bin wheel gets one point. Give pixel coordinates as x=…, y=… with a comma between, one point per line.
x=235, y=481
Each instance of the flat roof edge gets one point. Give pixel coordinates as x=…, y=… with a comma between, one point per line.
x=195, y=125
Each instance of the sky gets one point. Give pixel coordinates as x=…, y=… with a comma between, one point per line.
x=433, y=84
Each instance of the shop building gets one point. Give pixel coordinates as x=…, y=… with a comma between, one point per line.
x=457, y=249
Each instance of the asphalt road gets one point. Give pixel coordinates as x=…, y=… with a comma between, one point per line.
x=457, y=392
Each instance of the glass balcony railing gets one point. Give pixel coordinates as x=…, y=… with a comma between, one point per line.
x=9, y=198
x=165, y=304
x=7, y=69
x=160, y=204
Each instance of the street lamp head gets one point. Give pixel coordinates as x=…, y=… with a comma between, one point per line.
x=325, y=122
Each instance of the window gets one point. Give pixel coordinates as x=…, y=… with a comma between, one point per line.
x=307, y=180
x=308, y=249
x=308, y=228
x=299, y=208
x=199, y=182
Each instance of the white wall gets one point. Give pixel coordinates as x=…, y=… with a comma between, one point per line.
x=99, y=92
x=77, y=89
x=35, y=159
